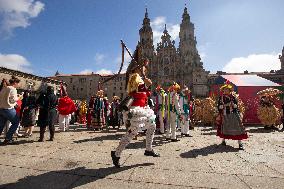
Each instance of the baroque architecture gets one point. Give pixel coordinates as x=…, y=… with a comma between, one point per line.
x=168, y=63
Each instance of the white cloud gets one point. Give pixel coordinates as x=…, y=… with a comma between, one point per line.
x=99, y=58
x=253, y=63
x=158, y=26
x=104, y=71
x=86, y=71
x=17, y=13
x=15, y=62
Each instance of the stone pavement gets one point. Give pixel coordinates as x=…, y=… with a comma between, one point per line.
x=81, y=159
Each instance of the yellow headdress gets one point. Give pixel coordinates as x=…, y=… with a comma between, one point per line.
x=134, y=81
x=227, y=85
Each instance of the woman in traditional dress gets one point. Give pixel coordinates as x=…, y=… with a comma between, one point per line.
x=229, y=123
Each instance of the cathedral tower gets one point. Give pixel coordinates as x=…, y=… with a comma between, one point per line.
x=146, y=38
x=187, y=45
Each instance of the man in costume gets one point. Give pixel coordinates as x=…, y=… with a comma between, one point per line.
x=98, y=120
x=184, y=100
x=174, y=112
x=161, y=107
x=229, y=123
x=90, y=112
x=140, y=114
x=66, y=107
x=114, y=117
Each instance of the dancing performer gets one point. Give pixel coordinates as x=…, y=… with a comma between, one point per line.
x=267, y=112
x=174, y=112
x=161, y=107
x=229, y=123
x=66, y=107
x=185, y=99
x=140, y=114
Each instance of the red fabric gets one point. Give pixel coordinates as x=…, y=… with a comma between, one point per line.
x=18, y=108
x=141, y=97
x=66, y=106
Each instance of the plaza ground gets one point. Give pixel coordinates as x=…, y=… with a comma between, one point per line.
x=81, y=159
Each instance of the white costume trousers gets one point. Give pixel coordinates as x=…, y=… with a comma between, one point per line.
x=137, y=122
x=184, y=124
x=171, y=130
x=64, y=121
x=161, y=120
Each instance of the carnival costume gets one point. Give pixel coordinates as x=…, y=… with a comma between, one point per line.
x=83, y=112
x=140, y=114
x=161, y=107
x=229, y=123
x=174, y=112
x=98, y=116
x=114, y=117
x=267, y=112
x=66, y=107
x=184, y=101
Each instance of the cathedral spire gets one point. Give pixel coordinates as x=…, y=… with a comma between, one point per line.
x=185, y=15
x=165, y=30
x=146, y=12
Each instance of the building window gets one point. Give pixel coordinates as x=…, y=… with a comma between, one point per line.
x=113, y=94
x=71, y=80
x=114, y=88
x=81, y=89
x=120, y=88
x=82, y=80
x=121, y=95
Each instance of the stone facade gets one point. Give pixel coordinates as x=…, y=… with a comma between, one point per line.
x=168, y=63
x=83, y=86
x=29, y=81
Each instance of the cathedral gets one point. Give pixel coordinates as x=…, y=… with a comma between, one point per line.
x=168, y=63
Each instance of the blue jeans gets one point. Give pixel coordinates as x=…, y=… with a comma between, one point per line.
x=11, y=115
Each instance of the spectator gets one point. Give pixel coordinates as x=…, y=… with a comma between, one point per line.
x=29, y=110
x=8, y=101
x=47, y=112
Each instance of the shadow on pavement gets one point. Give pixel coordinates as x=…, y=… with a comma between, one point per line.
x=205, y=151
x=100, y=138
x=72, y=178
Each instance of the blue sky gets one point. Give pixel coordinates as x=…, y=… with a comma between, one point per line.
x=75, y=36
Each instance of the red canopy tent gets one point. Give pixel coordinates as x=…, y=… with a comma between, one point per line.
x=246, y=86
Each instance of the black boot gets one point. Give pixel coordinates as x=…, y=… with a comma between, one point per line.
x=151, y=153
x=52, y=131
x=115, y=160
x=41, y=134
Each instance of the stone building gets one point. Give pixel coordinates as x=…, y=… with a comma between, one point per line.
x=29, y=81
x=83, y=86
x=168, y=63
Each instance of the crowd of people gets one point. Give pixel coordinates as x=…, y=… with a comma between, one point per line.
x=166, y=110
